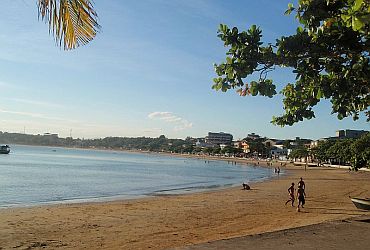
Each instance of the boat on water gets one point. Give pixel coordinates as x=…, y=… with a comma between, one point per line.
x=4, y=149
x=361, y=203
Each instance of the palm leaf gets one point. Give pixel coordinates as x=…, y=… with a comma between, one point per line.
x=72, y=22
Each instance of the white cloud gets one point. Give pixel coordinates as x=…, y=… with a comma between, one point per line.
x=179, y=122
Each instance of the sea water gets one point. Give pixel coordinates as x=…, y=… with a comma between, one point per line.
x=33, y=175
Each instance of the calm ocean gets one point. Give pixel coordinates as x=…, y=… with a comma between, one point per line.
x=32, y=175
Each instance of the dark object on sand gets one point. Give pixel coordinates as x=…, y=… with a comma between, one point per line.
x=246, y=186
x=4, y=149
x=361, y=203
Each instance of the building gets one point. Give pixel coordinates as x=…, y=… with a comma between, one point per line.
x=219, y=138
x=237, y=144
x=202, y=144
x=243, y=145
x=253, y=136
x=341, y=134
x=52, y=138
x=270, y=142
x=279, y=153
x=246, y=147
x=349, y=133
x=298, y=142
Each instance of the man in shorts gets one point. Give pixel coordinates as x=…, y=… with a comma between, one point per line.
x=291, y=195
x=301, y=196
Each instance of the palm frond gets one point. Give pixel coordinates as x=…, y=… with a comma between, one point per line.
x=72, y=22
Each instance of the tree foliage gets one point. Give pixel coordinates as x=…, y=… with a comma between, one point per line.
x=329, y=55
x=159, y=144
x=360, y=152
x=72, y=22
x=258, y=147
x=354, y=152
x=340, y=151
x=320, y=152
x=299, y=152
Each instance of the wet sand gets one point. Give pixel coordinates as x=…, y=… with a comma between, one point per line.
x=184, y=220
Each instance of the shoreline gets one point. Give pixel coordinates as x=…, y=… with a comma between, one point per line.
x=123, y=197
x=163, y=222
x=264, y=162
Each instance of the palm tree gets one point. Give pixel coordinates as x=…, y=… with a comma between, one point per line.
x=72, y=22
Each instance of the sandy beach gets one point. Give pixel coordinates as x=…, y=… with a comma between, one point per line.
x=183, y=220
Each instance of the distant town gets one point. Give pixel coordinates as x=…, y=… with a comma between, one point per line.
x=337, y=148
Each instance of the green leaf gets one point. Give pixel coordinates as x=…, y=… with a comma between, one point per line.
x=253, y=88
x=253, y=28
x=356, y=24
x=319, y=94
x=345, y=18
x=290, y=9
x=357, y=5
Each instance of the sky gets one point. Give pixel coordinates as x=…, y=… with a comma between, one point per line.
x=148, y=72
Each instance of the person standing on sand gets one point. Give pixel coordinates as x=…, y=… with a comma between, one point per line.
x=301, y=196
x=291, y=195
x=302, y=184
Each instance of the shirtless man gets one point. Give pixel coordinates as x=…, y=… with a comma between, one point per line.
x=302, y=184
x=291, y=195
x=301, y=196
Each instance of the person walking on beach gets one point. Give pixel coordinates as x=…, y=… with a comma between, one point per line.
x=300, y=196
x=291, y=195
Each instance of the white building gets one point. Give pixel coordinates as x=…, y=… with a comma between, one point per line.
x=278, y=153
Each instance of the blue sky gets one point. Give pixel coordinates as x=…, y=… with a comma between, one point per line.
x=148, y=72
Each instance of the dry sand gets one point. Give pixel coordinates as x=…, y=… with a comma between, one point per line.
x=333, y=235
x=183, y=220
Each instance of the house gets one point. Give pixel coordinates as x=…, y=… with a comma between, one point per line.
x=270, y=142
x=279, y=153
x=279, y=144
x=245, y=147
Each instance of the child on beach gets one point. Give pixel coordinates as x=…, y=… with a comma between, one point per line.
x=291, y=195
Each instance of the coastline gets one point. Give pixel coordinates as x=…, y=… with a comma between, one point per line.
x=153, y=192
x=171, y=221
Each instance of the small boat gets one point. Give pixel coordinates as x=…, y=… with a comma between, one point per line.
x=361, y=203
x=4, y=149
